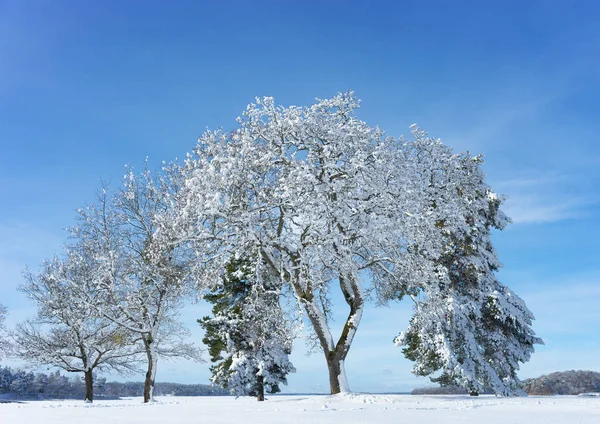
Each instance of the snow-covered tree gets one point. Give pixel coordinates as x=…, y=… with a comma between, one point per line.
x=4, y=344
x=327, y=201
x=142, y=278
x=22, y=383
x=467, y=326
x=67, y=333
x=248, y=336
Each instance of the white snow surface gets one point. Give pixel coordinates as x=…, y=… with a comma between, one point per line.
x=343, y=408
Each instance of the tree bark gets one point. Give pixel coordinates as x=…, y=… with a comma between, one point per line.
x=335, y=370
x=89, y=386
x=335, y=354
x=148, y=384
x=151, y=371
x=260, y=396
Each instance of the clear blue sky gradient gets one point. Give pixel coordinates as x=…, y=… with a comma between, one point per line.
x=87, y=87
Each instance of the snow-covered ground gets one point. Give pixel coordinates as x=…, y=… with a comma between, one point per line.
x=346, y=409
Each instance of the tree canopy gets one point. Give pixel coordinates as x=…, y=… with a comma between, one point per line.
x=328, y=201
x=291, y=205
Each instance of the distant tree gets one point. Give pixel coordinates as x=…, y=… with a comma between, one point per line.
x=4, y=341
x=248, y=336
x=22, y=383
x=25, y=384
x=5, y=379
x=468, y=326
x=142, y=278
x=58, y=386
x=67, y=333
x=40, y=384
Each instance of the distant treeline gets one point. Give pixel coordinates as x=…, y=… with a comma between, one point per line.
x=557, y=383
x=20, y=384
x=439, y=390
x=136, y=388
x=563, y=383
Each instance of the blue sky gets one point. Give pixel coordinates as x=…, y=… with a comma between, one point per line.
x=87, y=87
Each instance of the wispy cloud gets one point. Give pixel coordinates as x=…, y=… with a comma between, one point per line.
x=505, y=115
x=541, y=198
x=534, y=209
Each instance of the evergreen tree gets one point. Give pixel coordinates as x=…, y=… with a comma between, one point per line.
x=468, y=326
x=248, y=336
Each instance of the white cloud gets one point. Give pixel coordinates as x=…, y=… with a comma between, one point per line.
x=502, y=116
x=533, y=209
x=542, y=198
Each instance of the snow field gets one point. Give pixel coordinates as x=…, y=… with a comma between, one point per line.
x=345, y=408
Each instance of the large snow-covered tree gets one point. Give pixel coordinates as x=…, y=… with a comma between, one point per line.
x=67, y=333
x=142, y=278
x=326, y=201
x=248, y=335
x=468, y=327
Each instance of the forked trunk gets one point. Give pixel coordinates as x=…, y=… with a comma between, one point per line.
x=89, y=386
x=335, y=353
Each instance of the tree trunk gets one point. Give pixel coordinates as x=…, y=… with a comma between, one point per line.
x=474, y=393
x=335, y=353
x=149, y=382
x=260, y=396
x=148, y=385
x=151, y=372
x=335, y=372
x=89, y=386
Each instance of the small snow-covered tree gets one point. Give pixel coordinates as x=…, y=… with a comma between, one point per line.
x=142, y=278
x=248, y=336
x=67, y=333
x=467, y=326
x=4, y=344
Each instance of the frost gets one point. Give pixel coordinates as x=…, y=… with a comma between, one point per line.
x=249, y=336
x=330, y=203
x=125, y=269
x=320, y=202
x=67, y=333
